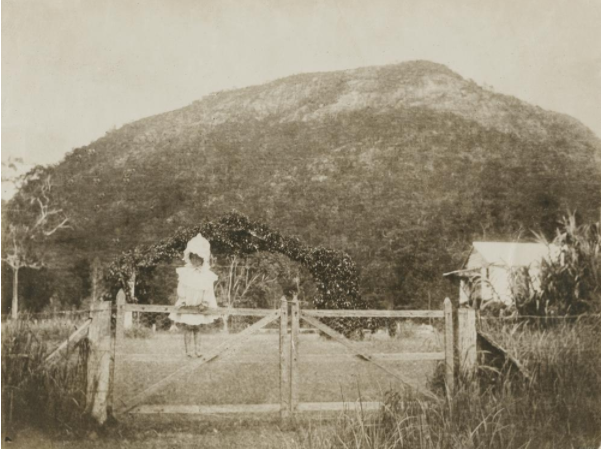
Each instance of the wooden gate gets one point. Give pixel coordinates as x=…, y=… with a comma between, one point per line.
x=134, y=403
x=289, y=316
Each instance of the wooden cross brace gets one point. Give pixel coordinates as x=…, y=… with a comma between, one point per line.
x=192, y=365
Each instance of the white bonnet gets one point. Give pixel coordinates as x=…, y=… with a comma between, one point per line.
x=200, y=246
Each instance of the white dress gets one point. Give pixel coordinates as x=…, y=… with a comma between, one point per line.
x=195, y=287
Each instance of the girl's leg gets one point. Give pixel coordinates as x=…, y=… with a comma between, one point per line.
x=188, y=341
x=197, y=339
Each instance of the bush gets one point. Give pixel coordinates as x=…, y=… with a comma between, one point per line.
x=571, y=282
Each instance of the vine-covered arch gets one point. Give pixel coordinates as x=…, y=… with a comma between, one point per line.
x=334, y=272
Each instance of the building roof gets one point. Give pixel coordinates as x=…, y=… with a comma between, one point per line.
x=467, y=272
x=514, y=254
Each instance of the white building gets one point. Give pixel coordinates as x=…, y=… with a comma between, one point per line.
x=495, y=271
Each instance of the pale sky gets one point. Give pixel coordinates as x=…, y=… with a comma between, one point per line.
x=73, y=69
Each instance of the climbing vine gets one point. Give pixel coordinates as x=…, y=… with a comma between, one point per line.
x=334, y=272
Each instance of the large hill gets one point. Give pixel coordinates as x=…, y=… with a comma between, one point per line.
x=401, y=166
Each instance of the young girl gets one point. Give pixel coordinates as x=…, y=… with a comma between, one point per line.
x=195, y=293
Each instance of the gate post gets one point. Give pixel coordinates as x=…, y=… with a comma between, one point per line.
x=98, y=367
x=293, y=374
x=449, y=346
x=128, y=316
x=284, y=360
x=467, y=343
x=120, y=302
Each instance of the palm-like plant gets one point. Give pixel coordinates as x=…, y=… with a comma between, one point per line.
x=571, y=280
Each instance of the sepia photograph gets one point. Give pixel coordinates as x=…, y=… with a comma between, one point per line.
x=301, y=224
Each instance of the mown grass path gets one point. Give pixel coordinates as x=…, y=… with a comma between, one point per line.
x=251, y=374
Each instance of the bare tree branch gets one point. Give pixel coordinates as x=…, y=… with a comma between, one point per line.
x=61, y=225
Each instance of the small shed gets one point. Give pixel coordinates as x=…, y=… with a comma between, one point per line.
x=495, y=271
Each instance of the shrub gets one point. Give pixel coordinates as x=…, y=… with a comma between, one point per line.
x=570, y=279
x=571, y=282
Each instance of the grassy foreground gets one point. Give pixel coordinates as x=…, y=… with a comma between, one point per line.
x=558, y=406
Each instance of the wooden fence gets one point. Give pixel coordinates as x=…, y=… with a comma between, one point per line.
x=460, y=353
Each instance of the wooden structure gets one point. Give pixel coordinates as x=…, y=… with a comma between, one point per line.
x=467, y=342
x=459, y=356
x=449, y=348
x=493, y=354
x=99, y=361
x=289, y=316
x=97, y=331
x=497, y=271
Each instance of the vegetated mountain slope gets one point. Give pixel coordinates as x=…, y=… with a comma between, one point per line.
x=401, y=166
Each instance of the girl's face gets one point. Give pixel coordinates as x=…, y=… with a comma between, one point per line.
x=196, y=260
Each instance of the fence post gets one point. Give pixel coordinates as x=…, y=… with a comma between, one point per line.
x=95, y=277
x=449, y=346
x=467, y=343
x=293, y=374
x=120, y=302
x=284, y=360
x=128, y=316
x=98, y=367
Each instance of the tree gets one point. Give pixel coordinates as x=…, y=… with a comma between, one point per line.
x=31, y=218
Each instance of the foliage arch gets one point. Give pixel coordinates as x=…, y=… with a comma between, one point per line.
x=334, y=272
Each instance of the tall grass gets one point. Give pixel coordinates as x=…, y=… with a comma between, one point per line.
x=34, y=393
x=558, y=406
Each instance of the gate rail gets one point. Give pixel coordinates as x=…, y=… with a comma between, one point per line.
x=290, y=312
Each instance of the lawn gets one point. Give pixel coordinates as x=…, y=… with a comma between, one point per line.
x=250, y=375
